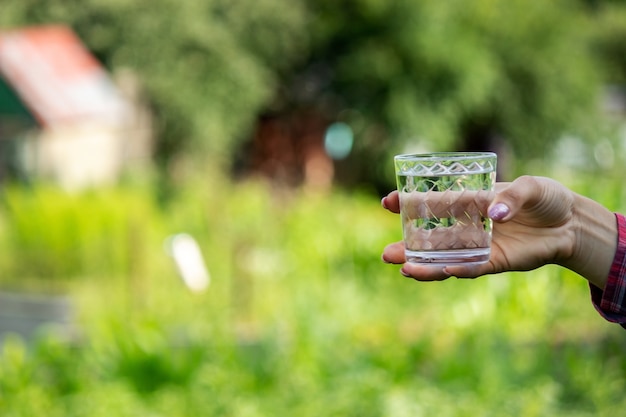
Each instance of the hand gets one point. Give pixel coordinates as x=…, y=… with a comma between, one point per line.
x=537, y=221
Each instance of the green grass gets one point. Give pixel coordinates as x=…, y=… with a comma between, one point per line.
x=301, y=318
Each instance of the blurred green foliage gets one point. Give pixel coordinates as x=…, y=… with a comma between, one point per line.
x=72, y=234
x=433, y=74
x=301, y=319
x=440, y=71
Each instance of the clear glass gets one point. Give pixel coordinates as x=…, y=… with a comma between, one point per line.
x=443, y=205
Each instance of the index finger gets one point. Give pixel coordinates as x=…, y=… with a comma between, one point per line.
x=392, y=202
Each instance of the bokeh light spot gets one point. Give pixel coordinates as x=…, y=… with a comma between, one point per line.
x=338, y=140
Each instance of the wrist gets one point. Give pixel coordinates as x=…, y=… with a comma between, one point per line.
x=593, y=241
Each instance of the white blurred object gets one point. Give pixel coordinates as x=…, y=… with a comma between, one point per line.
x=188, y=258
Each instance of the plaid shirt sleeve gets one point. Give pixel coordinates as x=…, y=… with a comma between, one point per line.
x=611, y=303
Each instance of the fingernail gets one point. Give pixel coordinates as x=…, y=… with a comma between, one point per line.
x=406, y=274
x=383, y=202
x=499, y=211
x=384, y=260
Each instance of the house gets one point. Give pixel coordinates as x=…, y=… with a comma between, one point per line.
x=63, y=118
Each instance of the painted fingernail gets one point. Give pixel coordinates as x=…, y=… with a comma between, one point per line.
x=499, y=211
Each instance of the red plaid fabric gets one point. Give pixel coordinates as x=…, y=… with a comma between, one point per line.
x=611, y=303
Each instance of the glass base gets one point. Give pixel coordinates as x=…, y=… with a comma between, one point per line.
x=448, y=257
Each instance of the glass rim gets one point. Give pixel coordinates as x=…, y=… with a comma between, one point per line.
x=444, y=156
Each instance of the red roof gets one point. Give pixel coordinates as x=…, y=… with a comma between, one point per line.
x=56, y=77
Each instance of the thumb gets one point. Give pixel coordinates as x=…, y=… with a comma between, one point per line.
x=513, y=196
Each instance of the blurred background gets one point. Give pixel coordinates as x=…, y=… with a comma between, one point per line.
x=190, y=218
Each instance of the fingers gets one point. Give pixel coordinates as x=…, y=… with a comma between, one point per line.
x=509, y=199
x=424, y=272
x=391, y=202
x=448, y=203
x=469, y=271
x=394, y=253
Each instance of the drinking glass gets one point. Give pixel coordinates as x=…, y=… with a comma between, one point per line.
x=444, y=198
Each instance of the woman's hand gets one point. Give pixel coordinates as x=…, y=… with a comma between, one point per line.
x=537, y=221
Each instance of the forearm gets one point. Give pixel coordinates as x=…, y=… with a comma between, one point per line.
x=595, y=232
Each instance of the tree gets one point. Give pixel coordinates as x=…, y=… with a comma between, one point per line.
x=456, y=74
x=403, y=73
x=609, y=38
